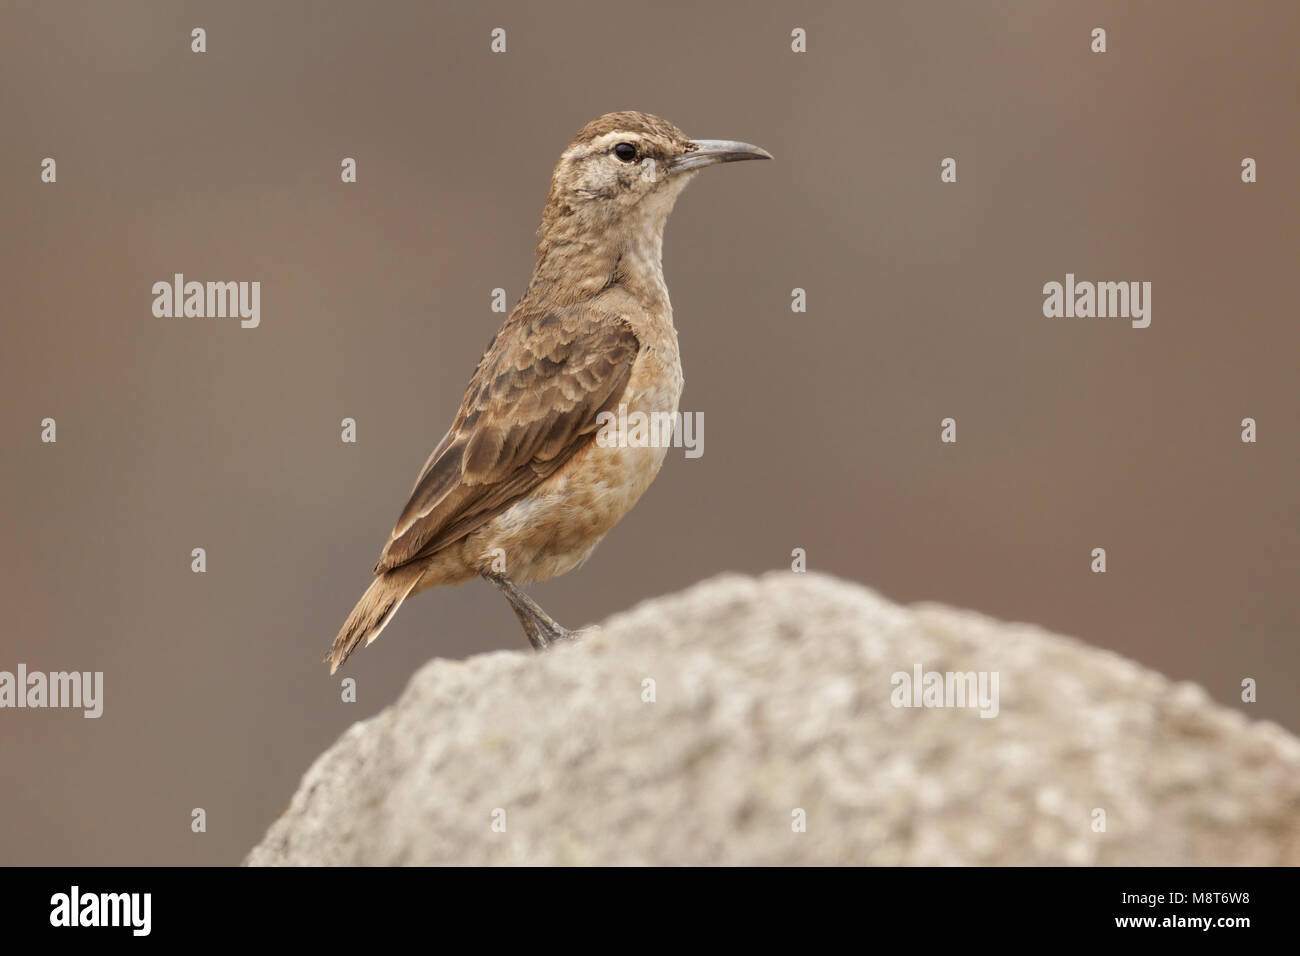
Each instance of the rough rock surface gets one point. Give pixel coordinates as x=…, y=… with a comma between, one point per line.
x=773, y=695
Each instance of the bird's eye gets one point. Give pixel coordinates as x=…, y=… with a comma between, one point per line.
x=625, y=151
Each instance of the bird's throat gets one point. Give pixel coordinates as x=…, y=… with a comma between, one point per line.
x=571, y=269
x=580, y=256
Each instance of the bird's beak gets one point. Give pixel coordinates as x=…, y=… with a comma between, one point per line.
x=710, y=152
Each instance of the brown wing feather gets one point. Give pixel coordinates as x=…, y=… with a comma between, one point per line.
x=531, y=404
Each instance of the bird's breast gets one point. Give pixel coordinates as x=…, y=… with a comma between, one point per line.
x=627, y=450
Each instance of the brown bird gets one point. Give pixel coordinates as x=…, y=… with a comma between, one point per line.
x=519, y=489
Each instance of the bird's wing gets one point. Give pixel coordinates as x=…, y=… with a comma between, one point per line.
x=531, y=405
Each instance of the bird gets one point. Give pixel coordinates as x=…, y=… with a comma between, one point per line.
x=519, y=490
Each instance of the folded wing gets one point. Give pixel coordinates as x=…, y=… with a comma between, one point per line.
x=531, y=405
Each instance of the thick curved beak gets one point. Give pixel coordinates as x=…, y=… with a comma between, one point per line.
x=710, y=152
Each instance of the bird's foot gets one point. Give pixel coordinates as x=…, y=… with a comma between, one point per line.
x=540, y=628
x=555, y=632
x=564, y=634
x=537, y=636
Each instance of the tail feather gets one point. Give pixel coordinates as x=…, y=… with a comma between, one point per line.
x=373, y=612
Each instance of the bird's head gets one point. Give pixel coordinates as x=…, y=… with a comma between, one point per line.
x=628, y=168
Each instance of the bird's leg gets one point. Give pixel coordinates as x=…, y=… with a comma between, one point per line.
x=540, y=628
x=532, y=630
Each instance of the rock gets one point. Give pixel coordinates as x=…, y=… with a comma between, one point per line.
x=771, y=696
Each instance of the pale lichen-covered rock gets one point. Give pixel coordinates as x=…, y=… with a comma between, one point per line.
x=771, y=696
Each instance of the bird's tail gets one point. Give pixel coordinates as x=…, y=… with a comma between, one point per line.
x=373, y=612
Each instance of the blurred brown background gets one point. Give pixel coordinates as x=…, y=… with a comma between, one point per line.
x=822, y=428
